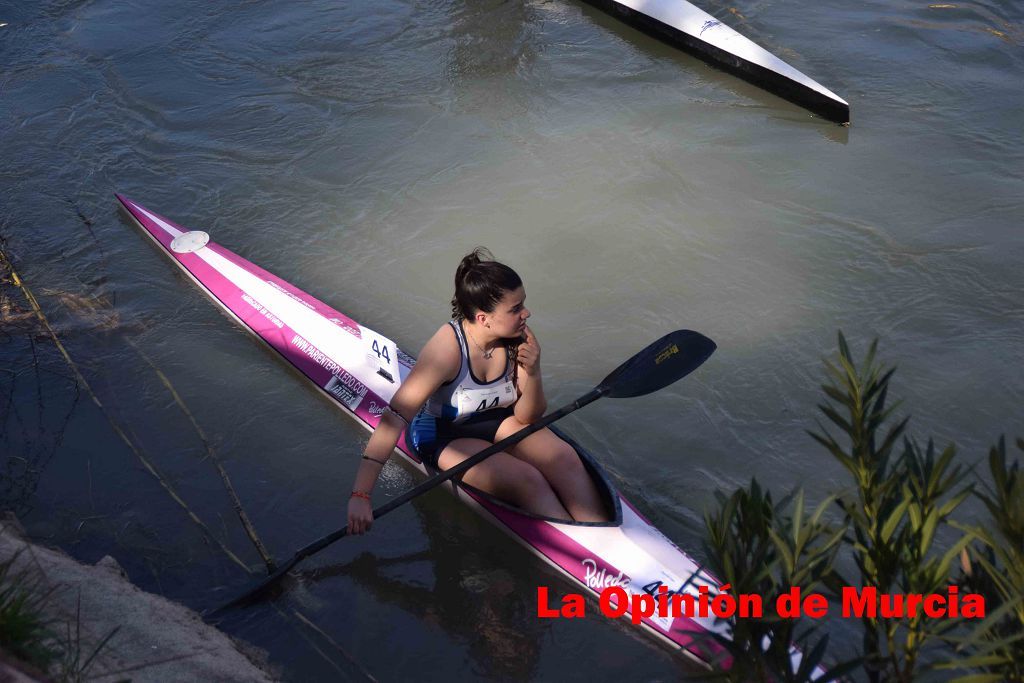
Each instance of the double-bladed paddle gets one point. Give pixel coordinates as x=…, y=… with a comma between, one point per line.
x=671, y=358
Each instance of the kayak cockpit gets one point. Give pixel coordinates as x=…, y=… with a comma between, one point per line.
x=609, y=495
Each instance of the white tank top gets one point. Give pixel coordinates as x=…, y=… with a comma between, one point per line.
x=465, y=395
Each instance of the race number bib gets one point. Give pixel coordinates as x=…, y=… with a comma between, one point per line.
x=472, y=401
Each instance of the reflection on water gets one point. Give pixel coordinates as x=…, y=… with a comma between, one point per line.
x=38, y=396
x=471, y=584
x=492, y=39
x=449, y=586
x=494, y=46
x=472, y=600
x=37, y=400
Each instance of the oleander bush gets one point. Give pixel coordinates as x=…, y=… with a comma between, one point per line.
x=758, y=547
x=896, y=527
x=994, y=567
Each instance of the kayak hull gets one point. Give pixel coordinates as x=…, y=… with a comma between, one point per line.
x=359, y=371
x=691, y=29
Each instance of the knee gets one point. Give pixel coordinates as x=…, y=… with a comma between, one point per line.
x=509, y=427
x=532, y=480
x=529, y=485
x=565, y=458
x=564, y=467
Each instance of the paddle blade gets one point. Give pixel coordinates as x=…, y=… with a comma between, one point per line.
x=671, y=358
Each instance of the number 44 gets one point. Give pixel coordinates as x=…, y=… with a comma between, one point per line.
x=381, y=351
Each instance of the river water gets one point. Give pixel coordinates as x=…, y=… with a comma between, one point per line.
x=358, y=150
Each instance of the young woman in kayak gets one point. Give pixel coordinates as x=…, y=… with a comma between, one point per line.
x=478, y=380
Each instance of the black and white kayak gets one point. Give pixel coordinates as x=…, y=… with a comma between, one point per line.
x=690, y=28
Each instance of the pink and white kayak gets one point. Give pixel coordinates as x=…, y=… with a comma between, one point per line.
x=359, y=370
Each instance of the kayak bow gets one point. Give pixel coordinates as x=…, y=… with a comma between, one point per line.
x=683, y=25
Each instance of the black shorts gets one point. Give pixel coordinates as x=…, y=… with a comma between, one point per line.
x=427, y=436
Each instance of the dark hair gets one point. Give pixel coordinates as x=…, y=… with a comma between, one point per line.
x=480, y=283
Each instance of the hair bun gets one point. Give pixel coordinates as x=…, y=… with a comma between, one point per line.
x=480, y=282
x=471, y=261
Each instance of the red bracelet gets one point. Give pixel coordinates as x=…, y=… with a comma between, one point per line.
x=360, y=494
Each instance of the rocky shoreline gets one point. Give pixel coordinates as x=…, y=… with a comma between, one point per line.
x=155, y=639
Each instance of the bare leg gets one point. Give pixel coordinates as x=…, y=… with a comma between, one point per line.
x=562, y=468
x=506, y=477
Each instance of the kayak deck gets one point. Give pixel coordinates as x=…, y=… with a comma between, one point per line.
x=359, y=371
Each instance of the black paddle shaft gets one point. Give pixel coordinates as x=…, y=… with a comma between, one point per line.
x=671, y=358
x=436, y=480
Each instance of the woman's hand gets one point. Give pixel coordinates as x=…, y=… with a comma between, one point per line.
x=360, y=515
x=529, y=354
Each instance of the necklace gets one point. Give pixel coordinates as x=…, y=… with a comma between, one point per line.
x=487, y=353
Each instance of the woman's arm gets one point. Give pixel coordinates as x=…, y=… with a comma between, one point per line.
x=438, y=362
x=531, y=404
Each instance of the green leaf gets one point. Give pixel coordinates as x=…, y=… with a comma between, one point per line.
x=835, y=394
x=880, y=387
x=954, y=503
x=798, y=516
x=893, y=521
x=836, y=450
x=947, y=455
x=820, y=510
x=928, y=531
x=783, y=549
x=844, y=350
x=893, y=435
x=951, y=554
x=914, y=512
x=836, y=418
